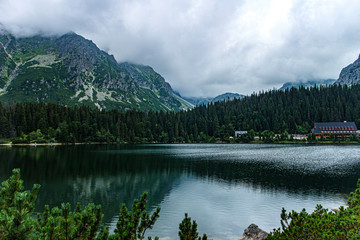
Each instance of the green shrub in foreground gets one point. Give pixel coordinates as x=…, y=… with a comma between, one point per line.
x=16, y=207
x=343, y=223
x=188, y=230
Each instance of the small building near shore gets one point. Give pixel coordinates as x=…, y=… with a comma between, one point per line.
x=298, y=136
x=239, y=133
x=334, y=128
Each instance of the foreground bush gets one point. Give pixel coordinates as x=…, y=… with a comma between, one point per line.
x=343, y=223
x=188, y=230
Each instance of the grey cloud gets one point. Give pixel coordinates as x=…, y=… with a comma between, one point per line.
x=207, y=47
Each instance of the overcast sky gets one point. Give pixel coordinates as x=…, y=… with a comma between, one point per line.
x=207, y=47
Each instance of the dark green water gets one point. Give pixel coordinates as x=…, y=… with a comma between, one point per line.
x=223, y=187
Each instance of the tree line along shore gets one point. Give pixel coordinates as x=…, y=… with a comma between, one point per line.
x=273, y=116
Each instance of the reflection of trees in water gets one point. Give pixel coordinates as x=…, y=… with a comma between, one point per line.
x=72, y=175
x=109, y=191
x=49, y=163
x=109, y=176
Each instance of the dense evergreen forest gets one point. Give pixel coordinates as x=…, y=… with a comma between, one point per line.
x=293, y=111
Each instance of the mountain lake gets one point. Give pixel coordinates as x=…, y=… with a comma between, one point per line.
x=224, y=187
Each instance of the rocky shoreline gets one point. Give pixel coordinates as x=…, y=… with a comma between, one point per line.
x=253, y=232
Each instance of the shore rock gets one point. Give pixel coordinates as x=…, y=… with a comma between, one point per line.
x=253, y=232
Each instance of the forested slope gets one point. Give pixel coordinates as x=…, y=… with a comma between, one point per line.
x=293, y=110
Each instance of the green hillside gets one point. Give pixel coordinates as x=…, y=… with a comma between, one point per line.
x=71, y=70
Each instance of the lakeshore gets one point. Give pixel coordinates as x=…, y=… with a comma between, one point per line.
x=328, y=142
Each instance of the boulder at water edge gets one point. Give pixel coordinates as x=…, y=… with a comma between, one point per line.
x=253, y=232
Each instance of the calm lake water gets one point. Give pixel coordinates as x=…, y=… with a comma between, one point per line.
x=224, y=187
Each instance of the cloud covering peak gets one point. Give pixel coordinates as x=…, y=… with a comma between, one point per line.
x=205, y=48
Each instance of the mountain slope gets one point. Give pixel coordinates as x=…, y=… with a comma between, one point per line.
x=147, y=78
x=350, y=74
x=73, y=71
x=197, y=101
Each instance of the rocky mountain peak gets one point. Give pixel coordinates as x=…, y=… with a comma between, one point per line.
x=72, y=70
x=350, y=74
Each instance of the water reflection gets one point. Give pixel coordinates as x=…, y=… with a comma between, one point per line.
x=89, y=170
x=78, y=174
x=199, y=178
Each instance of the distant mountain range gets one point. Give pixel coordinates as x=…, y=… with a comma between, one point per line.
x=223, y=97
x=349, y=75
x=71, y=70
x=309, y=83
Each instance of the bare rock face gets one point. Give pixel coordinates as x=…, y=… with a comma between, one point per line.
x=253, y=232
x=350, y=74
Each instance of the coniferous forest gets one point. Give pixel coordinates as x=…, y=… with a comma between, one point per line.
x=292, y=111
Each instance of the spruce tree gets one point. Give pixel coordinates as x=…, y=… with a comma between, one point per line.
x=16, y=207
x=188, y=230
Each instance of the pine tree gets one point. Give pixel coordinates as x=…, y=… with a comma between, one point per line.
x=133, y=224
x=16, y=207
x=188, y=230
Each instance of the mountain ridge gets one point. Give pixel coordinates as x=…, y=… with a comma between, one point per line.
x=72, y=70
x=350, y=74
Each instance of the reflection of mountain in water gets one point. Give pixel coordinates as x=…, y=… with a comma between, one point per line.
x=110, y=174
x=109, y=191
x=76, y=174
